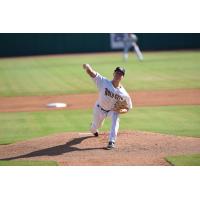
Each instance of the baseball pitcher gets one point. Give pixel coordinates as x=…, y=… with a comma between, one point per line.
x=113, y=100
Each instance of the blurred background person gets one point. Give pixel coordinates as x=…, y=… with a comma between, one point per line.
x=130, y=40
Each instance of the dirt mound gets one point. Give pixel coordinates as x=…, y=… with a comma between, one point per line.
x=79, y=149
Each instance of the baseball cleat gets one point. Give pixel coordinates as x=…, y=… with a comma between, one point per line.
x=111, y=145
x=96, y=134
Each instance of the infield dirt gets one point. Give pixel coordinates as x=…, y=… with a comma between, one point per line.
x=87, y=101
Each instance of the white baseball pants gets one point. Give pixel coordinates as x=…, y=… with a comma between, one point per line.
x=127, y=47
x=98, y=119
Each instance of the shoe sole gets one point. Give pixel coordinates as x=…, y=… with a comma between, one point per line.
x=109, y=148
x=96, y=134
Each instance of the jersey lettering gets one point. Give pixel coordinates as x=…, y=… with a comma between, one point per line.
x=112, y=95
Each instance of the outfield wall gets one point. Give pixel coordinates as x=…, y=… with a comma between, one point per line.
x=36, y=44
x=22, y=44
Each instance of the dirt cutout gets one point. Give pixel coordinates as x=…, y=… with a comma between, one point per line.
x=87, y=101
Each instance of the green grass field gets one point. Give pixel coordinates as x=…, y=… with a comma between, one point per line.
x=45, y=75
x=176, y=120
x=53, y=75
x=64, y=75
x=185, y=160
x=28, y=163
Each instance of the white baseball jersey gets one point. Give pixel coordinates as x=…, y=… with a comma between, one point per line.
x=108, y=94
x=130, y=38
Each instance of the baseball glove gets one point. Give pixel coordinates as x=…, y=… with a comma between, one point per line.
x=120, y=105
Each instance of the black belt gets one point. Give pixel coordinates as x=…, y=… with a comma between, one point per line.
x=102, y=108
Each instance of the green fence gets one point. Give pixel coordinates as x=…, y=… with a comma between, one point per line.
x=167, y=41
x=22, y=44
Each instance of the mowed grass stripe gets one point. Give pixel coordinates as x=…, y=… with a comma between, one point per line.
x=174, y=120
x=64, y=75
x=184, y=160
x=28, y=163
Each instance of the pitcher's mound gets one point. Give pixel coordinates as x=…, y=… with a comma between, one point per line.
x=135, y=148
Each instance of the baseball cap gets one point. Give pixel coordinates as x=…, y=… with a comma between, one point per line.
x=120, y=69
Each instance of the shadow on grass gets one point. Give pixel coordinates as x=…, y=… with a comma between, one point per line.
x=57, y=150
